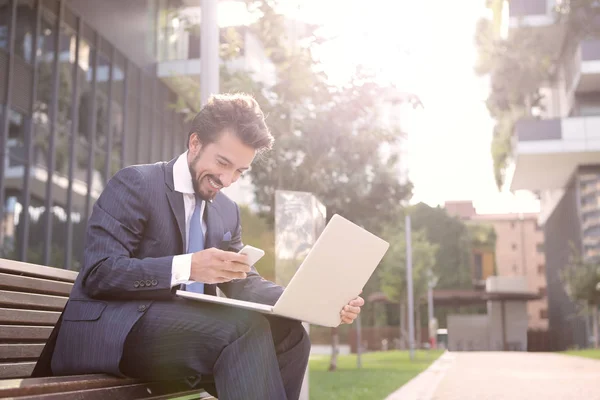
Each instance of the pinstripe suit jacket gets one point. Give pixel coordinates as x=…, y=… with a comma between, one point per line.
x=136, y=227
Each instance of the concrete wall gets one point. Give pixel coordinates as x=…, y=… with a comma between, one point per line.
x=468, y=332
x=516, y=325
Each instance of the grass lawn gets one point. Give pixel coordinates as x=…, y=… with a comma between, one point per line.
x=587, y=353
x=381, y=374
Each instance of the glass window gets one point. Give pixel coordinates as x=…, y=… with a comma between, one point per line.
x=45, y=68
x=4, y=21
x=14, y=182
x=85, y=73
x=68, y=52
x=25, y=29
x=117, y=108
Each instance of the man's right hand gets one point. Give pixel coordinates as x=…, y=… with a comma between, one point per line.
x=217, y=266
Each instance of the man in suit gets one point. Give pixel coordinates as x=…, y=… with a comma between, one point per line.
x=164, y=226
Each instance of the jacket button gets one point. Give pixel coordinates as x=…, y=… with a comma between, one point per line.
x=154, y=282
x=136, y=284
x=142, y=308
x=148, y=283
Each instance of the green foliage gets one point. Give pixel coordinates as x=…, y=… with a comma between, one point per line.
x=258, y=233
x=392, y=270
x=381, y=374
x=451, y=236
x=517, y=67
x=483, y=235
x=582, y=280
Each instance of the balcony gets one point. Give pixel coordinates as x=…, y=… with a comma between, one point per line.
x=532, y=13
x=538, y=14
x=547, y=152
x=584, y=68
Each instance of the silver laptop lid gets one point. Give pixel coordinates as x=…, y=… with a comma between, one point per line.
x=333, y=273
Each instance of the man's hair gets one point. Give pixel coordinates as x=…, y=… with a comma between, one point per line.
x=238, y=113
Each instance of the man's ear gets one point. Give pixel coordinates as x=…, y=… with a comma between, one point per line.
x=194, y=142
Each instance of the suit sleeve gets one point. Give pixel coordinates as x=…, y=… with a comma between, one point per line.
x=115, y=229
x=254, y=288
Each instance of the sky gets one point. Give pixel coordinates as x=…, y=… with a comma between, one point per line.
x=425, y=47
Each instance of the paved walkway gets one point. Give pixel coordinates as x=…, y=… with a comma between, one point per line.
x=505, y=376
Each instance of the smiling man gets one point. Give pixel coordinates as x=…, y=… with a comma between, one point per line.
x=160, y=227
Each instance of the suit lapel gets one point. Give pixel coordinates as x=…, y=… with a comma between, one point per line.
x=177, y=207
x=175, y=202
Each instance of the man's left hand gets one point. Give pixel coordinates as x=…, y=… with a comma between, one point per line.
x=351, y=310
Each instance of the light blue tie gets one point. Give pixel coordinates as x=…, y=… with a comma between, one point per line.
x=196, y=242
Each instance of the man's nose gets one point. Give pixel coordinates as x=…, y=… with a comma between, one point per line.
x=227, y=179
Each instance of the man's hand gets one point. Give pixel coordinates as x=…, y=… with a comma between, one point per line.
x=217, y=266
x=351, y=310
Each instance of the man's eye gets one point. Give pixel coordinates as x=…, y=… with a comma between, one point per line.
x=222, y=163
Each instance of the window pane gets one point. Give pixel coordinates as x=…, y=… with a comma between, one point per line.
x=85, y=75
x=25, y=29
x=41, y=114
x=4, y=20
x=14, y=180
x=68, y=44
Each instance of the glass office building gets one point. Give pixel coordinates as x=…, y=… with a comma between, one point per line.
x=74, y=109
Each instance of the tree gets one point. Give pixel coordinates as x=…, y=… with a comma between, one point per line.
x=451, y=236
x=517, y=67
x=581, y=279
x=392, y=271
x=258, y=233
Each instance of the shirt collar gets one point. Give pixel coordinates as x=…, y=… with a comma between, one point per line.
x=182, y=178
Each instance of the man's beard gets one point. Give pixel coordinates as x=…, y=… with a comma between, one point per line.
x=197, y=182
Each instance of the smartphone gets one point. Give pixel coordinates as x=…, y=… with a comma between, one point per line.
x=253, y=254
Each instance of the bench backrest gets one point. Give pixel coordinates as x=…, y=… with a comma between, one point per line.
x=31, y=299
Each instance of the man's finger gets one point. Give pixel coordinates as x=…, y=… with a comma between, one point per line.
x=357, y=302
x=234, y=266
x=229, y=275
x=352, y=309
x=234, y=257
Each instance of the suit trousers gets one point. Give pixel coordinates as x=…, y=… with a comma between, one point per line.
x=249, y=355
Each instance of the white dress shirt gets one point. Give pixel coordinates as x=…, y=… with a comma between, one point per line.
x=182, y=182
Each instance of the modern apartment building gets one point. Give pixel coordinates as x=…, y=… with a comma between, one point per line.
x=86, y=87
x=557, y=155
x=519, y=252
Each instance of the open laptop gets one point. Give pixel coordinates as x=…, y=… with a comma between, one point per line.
x=333, y=273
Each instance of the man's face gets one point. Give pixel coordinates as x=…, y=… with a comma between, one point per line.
x=217, y=165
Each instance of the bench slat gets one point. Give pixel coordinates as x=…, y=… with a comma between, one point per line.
x=34, y=285
x=23, y=268
x=28, y=317
x=32, y=386
x=24, y=332
x=20, y=351
x=26, y=300
x=16, y=370
x=120, y=389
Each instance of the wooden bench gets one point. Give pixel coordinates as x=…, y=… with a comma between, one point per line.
x=31, y=300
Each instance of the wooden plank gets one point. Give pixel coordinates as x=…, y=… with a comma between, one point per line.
x=16, y=370
x=28, y=317
x=57, y=384
x=90, y=387
x=30, y=300
x=34, y=285
x=40, y=271
x=20, y=351
x=23, y=332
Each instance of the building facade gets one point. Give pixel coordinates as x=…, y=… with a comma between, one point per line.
x=519, y=253
x=84, y=91
x=557, y=155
